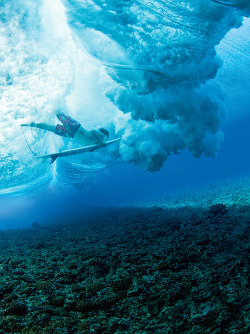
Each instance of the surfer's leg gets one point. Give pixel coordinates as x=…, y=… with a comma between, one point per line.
x=45, y=126
x=42, y=126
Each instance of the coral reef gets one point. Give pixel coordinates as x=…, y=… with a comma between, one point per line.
x=129, y=270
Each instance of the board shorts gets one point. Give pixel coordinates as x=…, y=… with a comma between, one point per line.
x=69, y=127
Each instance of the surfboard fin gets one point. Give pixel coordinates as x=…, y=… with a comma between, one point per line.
x=52, y=160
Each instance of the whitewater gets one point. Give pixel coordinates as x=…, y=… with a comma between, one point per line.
x=145, y=70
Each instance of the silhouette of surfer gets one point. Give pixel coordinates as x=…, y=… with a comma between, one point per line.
x=72, y=129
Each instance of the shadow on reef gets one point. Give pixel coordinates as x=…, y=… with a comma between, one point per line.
x=129, y=270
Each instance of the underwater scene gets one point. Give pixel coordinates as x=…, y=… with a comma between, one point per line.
x=124, y=166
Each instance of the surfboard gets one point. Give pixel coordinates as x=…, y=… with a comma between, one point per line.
x=79, y=150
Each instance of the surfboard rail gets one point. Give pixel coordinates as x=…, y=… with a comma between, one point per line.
x=79, y=150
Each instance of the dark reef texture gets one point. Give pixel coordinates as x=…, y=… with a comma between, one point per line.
x=129, y=270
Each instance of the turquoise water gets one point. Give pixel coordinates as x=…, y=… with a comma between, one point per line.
x=164, y=77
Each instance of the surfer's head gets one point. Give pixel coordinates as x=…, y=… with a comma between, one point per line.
x=104, y=132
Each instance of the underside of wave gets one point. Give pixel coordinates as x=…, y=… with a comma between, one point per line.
x=77, y=173
x=160, y=66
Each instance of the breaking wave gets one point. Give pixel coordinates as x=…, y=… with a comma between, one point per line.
x=144, y=69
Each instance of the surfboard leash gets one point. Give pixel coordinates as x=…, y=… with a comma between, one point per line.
x=28, y=143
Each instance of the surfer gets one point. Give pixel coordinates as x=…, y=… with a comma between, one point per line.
x=73, y=129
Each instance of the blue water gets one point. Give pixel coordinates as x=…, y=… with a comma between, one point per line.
x=163, y=76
